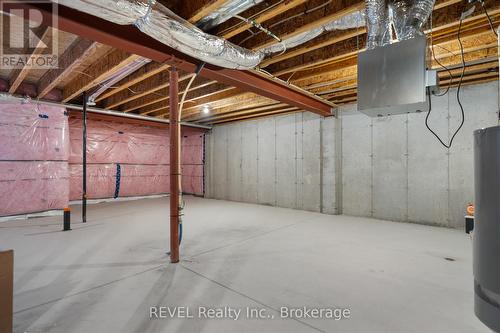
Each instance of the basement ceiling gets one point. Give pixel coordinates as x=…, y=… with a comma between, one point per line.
x=325, y=66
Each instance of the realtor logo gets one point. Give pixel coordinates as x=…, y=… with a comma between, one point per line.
x=29, y=37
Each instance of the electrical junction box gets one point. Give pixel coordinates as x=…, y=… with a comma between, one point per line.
x=392, y=79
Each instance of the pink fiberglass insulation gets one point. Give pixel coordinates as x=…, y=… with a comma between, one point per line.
x=192, y=179
x=135, y=180
x=29, y=187
x=34, y=132
x=33, y=158
x=35, y=175
x=142, y=153
x=192, y=163
x=118, y=142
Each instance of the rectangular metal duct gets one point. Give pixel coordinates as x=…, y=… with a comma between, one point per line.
x=392, y=78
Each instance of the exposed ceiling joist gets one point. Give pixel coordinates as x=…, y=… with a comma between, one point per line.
x=19, y=75
x=445, y=3
x=267, y=15
x=163, y=103
x=231, y=108
x=68, y=62
x=309, y=48
x=155, y=96
x=142, y=74
x=228, y=96
x=332, y=17
x=238, y=111
x=97, y=73
x=211, y=6
x=155, y=86
x=131, y=39
x=232, y=98
x=142, y=93
x=257, y=115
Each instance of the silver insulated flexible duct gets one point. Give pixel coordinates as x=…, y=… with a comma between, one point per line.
x=354, y=20
x=396, y=20
x=397, y=16
x=163, y=25
x=225, y=12
x=418, y=16
x=376, y=18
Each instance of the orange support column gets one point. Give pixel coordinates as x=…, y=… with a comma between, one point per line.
x=174, y=165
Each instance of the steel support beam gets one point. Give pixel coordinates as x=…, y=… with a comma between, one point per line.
x=128, y=38
x=175, y=148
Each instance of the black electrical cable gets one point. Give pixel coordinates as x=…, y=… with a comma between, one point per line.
x=489, y=18
x=450, y=75
x=458, y=97
x=446, y=69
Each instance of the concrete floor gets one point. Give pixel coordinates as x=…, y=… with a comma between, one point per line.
x=105, y=275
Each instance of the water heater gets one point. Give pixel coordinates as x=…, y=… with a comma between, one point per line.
x=486, y=239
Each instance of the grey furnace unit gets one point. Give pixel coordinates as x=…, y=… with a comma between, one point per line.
x=486, y=237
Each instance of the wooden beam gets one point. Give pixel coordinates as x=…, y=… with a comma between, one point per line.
x=258, y=115
x=235, y=98
x=235, y=112
x=142, y=74
x=275, y=11
x=314, y=68
x=68, y=62
x=97, y=73
x=256, y=104
x=151, y=86
x=219, y=99
x=445, y=3
x=194, y=93
x=163, y=104
x=475, y=79
x=471, y=72
x=332, y=17
x=211, y=6
x=473, y=69
x=19, y=75
x=310, y=48
x=319, y=67
x=140, y=91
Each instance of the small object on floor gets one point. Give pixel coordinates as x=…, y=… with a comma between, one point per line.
x=67, y=219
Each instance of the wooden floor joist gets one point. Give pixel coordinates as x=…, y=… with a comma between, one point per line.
x=68, y=62
x=239, y=111
x=257, y=115
x=326, y=66
x=142, y=74
x=211, y=6
x=332, y=17
x=97, y=73
x=19, y=75
x=267, y=15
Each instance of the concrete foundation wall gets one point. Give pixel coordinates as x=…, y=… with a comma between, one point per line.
x=390, y=168
x=272, y=161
